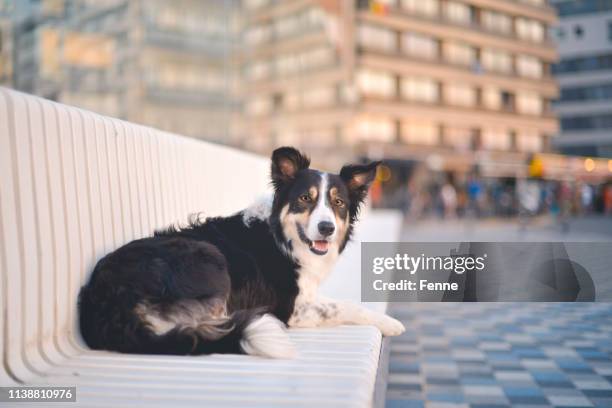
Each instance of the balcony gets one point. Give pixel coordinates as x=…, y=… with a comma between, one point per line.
x=472, y=34
x=403, y=64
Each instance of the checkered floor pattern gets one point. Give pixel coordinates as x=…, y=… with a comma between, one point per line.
x=494, y=355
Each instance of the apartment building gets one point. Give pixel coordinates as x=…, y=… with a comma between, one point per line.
x=6, y=44
x=182, y=57
x=163, y=63
x=456, y=83
x=584, y=73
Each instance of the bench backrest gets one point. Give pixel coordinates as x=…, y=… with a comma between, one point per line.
x=74, y=185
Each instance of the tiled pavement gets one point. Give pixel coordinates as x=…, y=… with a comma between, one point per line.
x=493, y=355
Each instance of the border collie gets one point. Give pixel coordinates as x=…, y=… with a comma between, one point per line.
x=232, y=284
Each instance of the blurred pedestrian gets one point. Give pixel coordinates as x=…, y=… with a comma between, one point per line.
x=565, y=205
x=474, y=190
x=586, y=198
x=529, y=196
x=448, y=194
x=608, y=199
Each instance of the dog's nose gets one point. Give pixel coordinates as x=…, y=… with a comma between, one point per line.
x=326, y=228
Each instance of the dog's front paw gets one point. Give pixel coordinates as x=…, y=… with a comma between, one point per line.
x=390, y=326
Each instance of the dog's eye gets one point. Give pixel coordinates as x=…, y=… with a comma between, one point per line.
x=339, y=202
x=305, y=198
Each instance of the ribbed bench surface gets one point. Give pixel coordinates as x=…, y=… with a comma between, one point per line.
x=336, y=368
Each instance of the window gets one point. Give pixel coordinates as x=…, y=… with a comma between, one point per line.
x=258, y=35
x=317, y=57
x=291, y=101
x=429, y=8
x=459, y=53
x=507, y=101
x=529, y=66
x=278, y=100
x=377, y=38
x=460, y=95
x=297, y=23
x=287, y=64
x=259, y=106
x=573, y=7
x=254, y=4
x=419, y=45
x=530, y=30
x=420, y=132
x=561, y=33
x=496, y=139
x=578, y=31
x=529, y=142
x=588, y=92
x=317, y=137
x=458, y=12
x=495, y=60
x=600, y=121
x=529, y=103
x=285, y=26
x=317, y=97
x=314, y=17
x=459, y=137
x=420, y=89
x=497, y=22
x=534, y=2
x=491, y=98
x=375, y=128
x=583, y=64
x=376, y=83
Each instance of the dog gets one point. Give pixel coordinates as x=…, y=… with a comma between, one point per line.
x=233, y=284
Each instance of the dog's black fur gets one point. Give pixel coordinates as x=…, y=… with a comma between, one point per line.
x=238, y=270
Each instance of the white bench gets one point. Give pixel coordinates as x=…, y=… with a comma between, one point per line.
x=75, y=185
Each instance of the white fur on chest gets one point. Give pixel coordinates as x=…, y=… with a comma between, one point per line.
x=314, y=269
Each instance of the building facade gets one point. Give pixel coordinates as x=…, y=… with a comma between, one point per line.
x=167, y=64
x=584, y=73
x=6, y=44
x=456, y=83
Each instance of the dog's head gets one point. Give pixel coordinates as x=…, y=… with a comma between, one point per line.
x=313, y=212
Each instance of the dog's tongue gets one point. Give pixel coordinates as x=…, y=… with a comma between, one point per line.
x=321, y=245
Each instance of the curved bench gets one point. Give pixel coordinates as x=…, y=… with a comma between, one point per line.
x=75, y=185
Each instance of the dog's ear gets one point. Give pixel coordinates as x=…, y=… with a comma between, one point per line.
x=286, y=162
x=358, y=177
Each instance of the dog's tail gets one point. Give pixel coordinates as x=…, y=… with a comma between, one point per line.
x=243, y=332
x=107, y=325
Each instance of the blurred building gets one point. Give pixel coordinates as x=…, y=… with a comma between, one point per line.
x=6, y=43
x=164, y=63
x=584, y=73
x=453, y=83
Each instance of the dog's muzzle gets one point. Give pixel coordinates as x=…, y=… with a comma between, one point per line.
x=319, y=247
